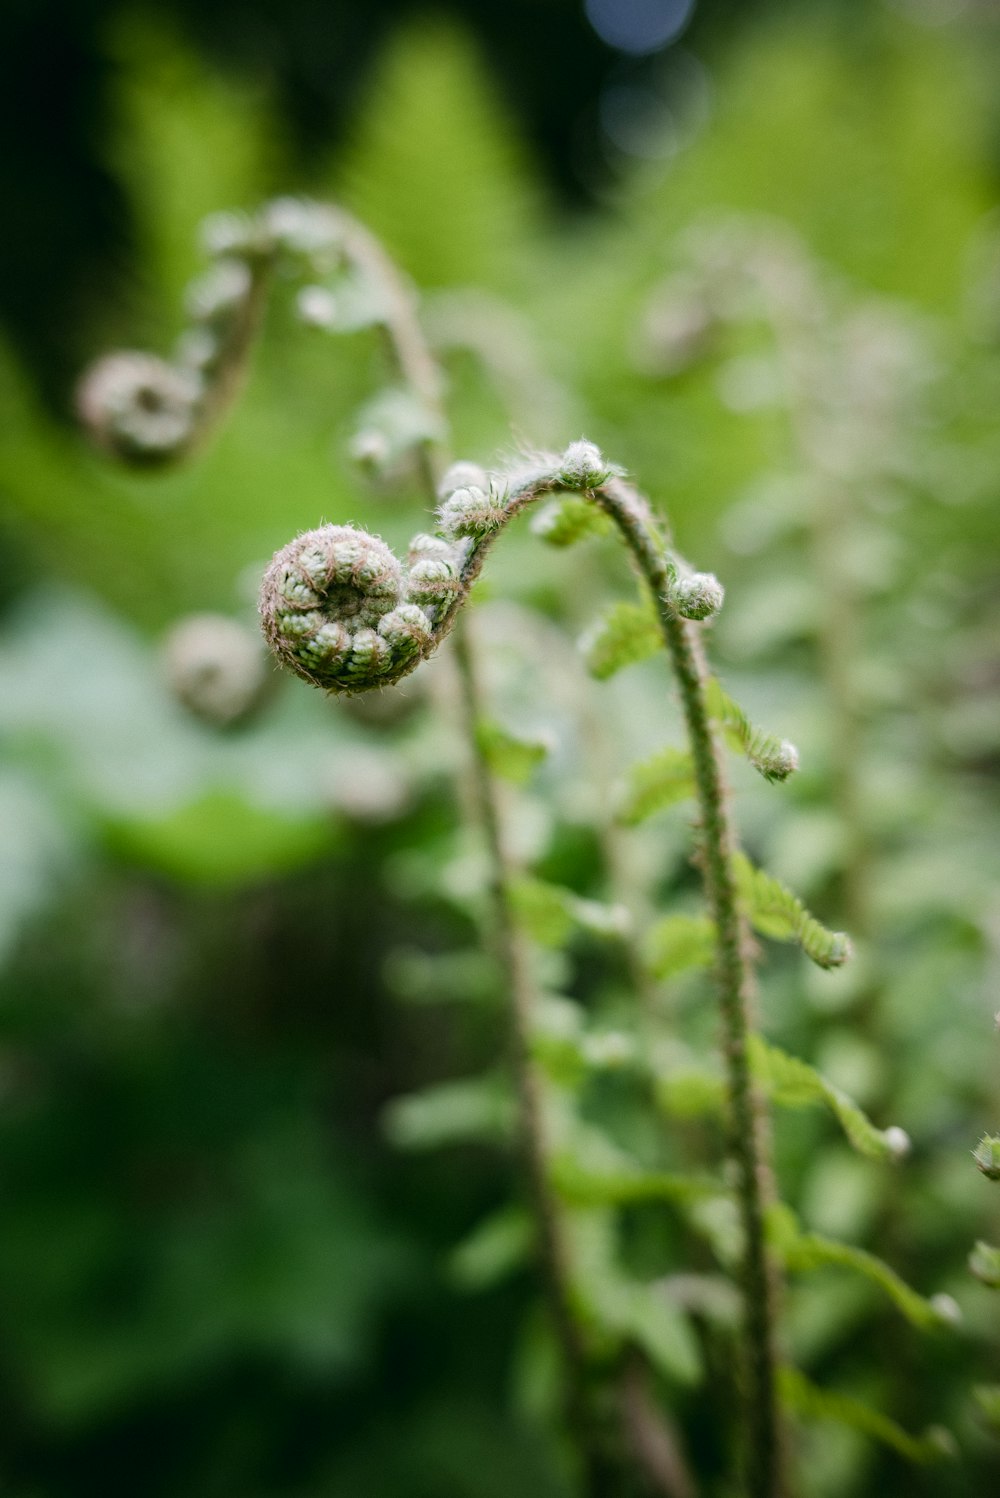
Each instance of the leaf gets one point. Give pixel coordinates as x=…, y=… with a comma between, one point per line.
x=656, y=783
x=550, y=913
x=987, y=1397
x=774, y=758
x=512, y=758
x=775, y=912
x=626, y=634
x=499, y=1244
x=569, y=519
x=792, y=1083
x=629, y=1310
x=679, y=942
x=802, y=1396
x=984, y=1262
x=475, y=1110
x=803, y=1252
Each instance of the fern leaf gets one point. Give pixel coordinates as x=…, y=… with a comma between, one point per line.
x=775, y=912
x=803, y=1397
x=626, y=634
x=984, y=1262
x=803, y=1252
x=774, y=758
x=678, y=942
x=658, y=782
x=474, y=1110
x=792, y=1083
x=512, y=758
x=550, y=913
x=568, y=519
x=496, y=1247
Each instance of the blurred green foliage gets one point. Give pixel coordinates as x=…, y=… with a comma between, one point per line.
x=256, y=1198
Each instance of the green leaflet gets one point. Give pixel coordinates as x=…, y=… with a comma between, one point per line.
x=512, y=758
x=776, y=759
x=624, y=1308
x=802, y=1252
x=812, y=1403
x=660, y=781
x=497, y=1246
x=626, y=634
x=474, y=1110
x=678, y=942
x=792, y=1083
x=984, y=1262
x=987, y=1397
x=550, y=913
x=775, y=912
x=569, y=519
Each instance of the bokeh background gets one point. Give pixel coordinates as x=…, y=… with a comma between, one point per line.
x=230, y=1248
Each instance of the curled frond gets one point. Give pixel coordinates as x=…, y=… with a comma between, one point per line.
x=792, y=1083
x=805, y=1399
x=774, y=758
x=775, y=912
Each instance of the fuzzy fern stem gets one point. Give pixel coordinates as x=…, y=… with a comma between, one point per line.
x=749, y=1141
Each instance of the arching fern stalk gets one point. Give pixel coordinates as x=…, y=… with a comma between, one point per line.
x=340, y=611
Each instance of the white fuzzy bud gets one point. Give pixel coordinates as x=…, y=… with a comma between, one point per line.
x=582, y=466
x=316, y=307
x=216, y=668
x=697, y=596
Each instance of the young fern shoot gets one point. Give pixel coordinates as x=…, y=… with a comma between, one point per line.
x=341, y=611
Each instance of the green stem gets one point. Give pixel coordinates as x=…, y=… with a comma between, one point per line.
x=749, y=1141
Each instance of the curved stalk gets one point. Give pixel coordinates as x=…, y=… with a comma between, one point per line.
x=749, y=1141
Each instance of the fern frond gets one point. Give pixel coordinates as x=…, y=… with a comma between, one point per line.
x=568, y=519
x=774, y=758
x=792, y=1083
x=655, y=783
x=803, y=1252
x=678, y=942
x=775, y=912
x=509, y=756
x=626, y=634
x=550, y=913
x=804, y=1398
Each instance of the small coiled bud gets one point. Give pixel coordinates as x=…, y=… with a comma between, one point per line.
x=433, y=569
x=316, y=307
x=220, y=292
x=897, y=1142
x=473, y=512
x=139, y=407
x=698, y=596
x=582, y=466
x=333, y=610
x=463, y=476
x=987, y=1156
x=216, y=668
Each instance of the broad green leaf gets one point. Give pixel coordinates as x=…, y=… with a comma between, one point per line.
x=776, y=759
x=569, y=519
x=499, y=1244
x=512, y=758
x=775, y=912
x=792, y=1083
x=679, y=942
x=803, y=1397
x=626, y=634
x=802, y=1252
x=477, y=1110
x=661, y=781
